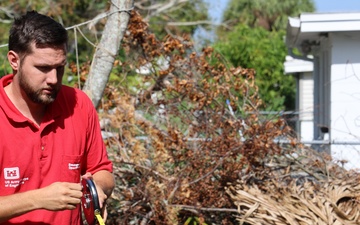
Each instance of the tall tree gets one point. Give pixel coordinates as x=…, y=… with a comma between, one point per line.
x=254, y=38
x=272, y=15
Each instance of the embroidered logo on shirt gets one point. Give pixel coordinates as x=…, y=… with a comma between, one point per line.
x=74, y=166
x=12, y=177
x=12, y=173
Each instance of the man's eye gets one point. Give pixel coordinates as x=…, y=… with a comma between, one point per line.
x=44, y=68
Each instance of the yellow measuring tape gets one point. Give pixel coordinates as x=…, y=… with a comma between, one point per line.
x=98, y=217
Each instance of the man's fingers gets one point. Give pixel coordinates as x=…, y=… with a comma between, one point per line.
x=73, y=186
x=74, y=200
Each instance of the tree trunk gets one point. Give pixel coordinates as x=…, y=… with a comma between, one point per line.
x=107, y=50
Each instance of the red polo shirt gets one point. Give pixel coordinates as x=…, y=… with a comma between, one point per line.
x=67, y=145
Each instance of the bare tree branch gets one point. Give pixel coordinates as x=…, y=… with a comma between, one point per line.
x=191, y=208
x=191, y=23
x=160, y=7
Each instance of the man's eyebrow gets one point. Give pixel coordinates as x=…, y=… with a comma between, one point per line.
x=63, y=63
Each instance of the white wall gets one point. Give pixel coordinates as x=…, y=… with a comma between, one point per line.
x=345, y=97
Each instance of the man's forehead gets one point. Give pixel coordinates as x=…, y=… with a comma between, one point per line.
x=48, y=54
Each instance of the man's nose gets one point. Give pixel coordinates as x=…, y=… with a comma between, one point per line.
x=52, y=76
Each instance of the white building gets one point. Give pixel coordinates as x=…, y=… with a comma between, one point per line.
x=333, y=39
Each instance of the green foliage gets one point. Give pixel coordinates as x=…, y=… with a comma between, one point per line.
x=194, y=221
x=4, y=65
x=254, y=38
x=265, y=52
x=270, y=14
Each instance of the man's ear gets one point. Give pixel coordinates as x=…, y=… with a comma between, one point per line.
x=14, y=60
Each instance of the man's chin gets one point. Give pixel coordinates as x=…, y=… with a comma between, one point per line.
x=44, y=100
x=48, y=101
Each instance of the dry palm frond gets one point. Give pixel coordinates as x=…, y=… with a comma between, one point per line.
x=318, y=199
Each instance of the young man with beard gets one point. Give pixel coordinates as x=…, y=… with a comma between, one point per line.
x=49, y=133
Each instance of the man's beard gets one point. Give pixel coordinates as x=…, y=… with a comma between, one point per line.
x=36, y=95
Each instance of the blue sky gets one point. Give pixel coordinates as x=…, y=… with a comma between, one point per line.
x=337, y=5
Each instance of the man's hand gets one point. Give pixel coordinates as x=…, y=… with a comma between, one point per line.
x=60, y=196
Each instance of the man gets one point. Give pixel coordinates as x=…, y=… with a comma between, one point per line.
x=49, y=133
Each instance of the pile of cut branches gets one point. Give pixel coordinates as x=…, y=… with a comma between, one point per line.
x=189, y=146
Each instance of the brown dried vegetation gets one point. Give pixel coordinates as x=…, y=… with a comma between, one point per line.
x=181, y=155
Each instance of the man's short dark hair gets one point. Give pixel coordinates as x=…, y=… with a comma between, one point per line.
x=35, y=28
